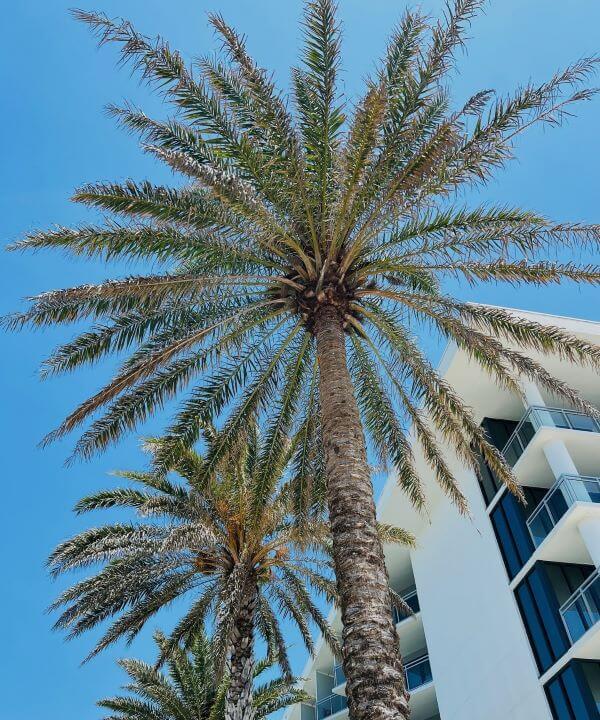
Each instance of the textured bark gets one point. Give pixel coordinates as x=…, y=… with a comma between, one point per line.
x=371, y=659
x=240, y=665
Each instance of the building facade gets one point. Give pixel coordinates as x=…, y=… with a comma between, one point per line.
x=506, y=601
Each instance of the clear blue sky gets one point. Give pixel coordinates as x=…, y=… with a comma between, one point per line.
x=54, y=136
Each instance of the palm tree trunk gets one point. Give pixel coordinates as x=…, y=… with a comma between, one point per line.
x=239, y=703
x=371, y=659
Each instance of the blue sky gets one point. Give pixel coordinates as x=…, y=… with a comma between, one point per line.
x=54, y=136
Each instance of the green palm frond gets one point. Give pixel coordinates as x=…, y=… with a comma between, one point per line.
x=190, y=688
x=207, y=538
x=289, y=203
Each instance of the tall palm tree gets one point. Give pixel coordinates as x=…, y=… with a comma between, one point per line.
x=191, y=689
x=225, y=540
x=309, y=241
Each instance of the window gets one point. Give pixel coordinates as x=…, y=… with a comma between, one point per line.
x=538, y=599
x=498, y=432
x=509, y=519
x=488, y=482
x=574, y=694
x=417, y=673
x=566, y=579
x=591, y=672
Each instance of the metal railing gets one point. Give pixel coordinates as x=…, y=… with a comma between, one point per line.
x=330, y=705
x=539, y=416
x=582, y=609
x=566, y=491
x=418, y=673
x=411, y=598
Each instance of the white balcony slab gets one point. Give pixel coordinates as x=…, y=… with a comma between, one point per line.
x=339, y=689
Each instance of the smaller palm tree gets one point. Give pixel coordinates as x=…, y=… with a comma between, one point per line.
x=191, y=688
x=226, y=541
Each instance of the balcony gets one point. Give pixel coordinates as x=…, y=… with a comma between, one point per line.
x=566, y=491
x=539, y=416
x=582, y=609
x=411, y=598
x=417, y=673
x=419, y=682
x=330, y=705
x=338, y=676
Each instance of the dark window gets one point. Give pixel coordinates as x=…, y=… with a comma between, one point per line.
x=509, y=519
x=488, y=482
x=498, y=432
x=417, y=673
x=533, y=497
x=412, y=600
x=566, y=579
x=534, y=625
x=574, y=694
x=538, y=597
x=591, y=672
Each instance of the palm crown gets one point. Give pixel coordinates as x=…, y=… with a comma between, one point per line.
x=191, y=688
x=224, y=542
x=288, y=211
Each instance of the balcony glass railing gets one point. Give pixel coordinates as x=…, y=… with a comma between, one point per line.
x=565, y=492
x=411, y=598
x=582, y=609
x=307, y=710
x=417, y=673
x=538, y=416
x=338, y=675
x=330, y=705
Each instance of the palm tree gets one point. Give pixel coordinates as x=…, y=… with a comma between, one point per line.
x=308, y=244
x=224, y=540
x=191, y=689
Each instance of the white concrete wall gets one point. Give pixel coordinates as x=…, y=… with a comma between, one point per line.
x=482, y=663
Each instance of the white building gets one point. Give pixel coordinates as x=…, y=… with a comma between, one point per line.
x=508, y=601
